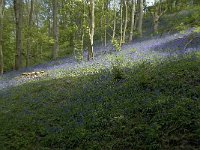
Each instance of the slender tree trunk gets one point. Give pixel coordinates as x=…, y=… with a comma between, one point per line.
x=136, y=21
x=102, y=40
x=49, y=22
x=55, y=29
x=83, y=29
x=1, y=37
x=28, y=39
x=105, y=34
x=36, y=13
x=121, y=23
x=91, y=32
x=141, y=14
x=126, y=20
x=18, y=20
x=114, y=21
x=105, y=25
x=132, y=20
x=155, y=25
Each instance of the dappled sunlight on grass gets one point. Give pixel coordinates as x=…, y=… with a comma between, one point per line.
x=146, y=105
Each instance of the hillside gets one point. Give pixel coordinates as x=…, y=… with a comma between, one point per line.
x=154, y=48
x=100, y=75
x=143, y=97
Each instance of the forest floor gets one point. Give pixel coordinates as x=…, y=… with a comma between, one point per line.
x=146, y=96
x=154, y=48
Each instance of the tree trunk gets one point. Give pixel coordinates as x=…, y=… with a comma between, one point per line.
x=91, y=32
x=155, y=24
x=49, y=22
x=126, y=20
x=114, y=21
x=155, y=27
x=132, y=20
x=101, y=27
x=79, y=35
x=141, y=14
x=18, y=20
x=28, y=39
x=121, y=23
x=158, y=12
x=105, y=25
x=105, y=34
x=55, y=29
x=1, y=37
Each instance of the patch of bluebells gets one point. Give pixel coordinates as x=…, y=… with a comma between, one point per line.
x=156, y=48
x=180, y=45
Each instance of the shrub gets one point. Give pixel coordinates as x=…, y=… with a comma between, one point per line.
x=117, y=68
x=116, y=44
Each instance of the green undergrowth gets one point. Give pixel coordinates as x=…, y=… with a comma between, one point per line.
x=150, y=106
x=180, y=20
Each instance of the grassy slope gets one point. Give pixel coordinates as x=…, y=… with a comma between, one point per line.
x=153, y=106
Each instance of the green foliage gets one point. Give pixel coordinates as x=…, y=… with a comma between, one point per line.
x=155, y=107
x=74, y=19
x=117, y=68
x=197, y=29
x=116, y=44
x=133, y=50
x=78, y=50
x=8, y=43
x=181, y=20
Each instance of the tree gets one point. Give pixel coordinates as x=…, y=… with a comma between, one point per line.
x=69, y=26
x=79, y=34
x=121, y=23
x=141, y=14
x=29, y=30
x=55, y=29
x=132, y=20
x=125, y=21
x=156, y=14
x=18, y=21
x=1, y=39
x=91, y=31
x=105, y=21
x=114, y=21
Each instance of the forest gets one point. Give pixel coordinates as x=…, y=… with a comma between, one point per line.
x=99, y=74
